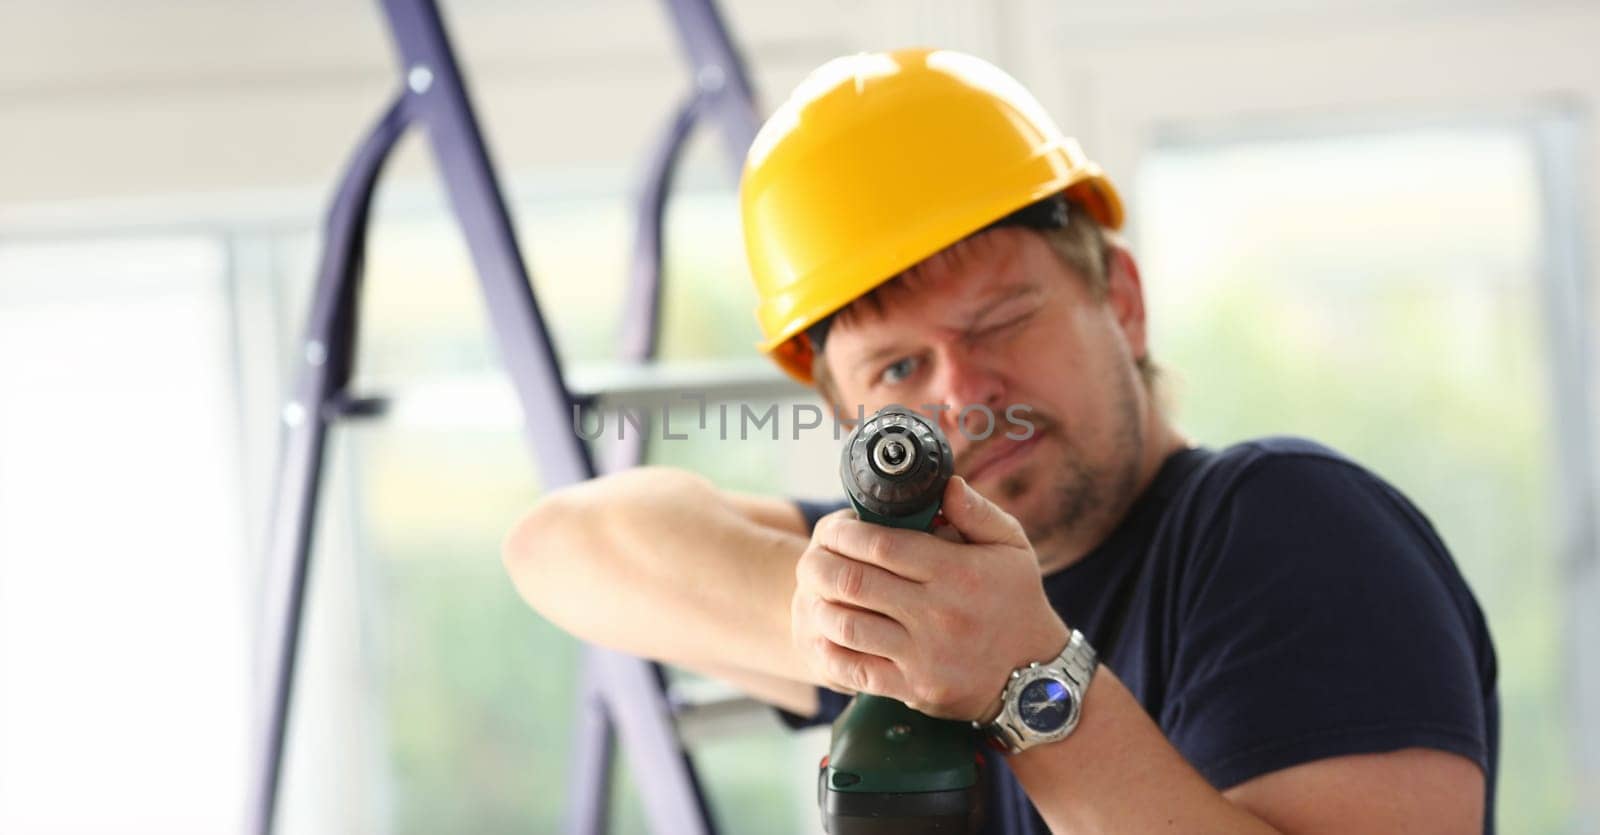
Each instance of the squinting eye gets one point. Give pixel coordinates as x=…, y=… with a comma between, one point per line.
x=1004, y=326
x=898, y=371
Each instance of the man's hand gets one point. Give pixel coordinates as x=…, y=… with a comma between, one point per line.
x=935, y=621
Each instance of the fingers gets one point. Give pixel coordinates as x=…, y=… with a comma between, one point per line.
x=849, y=671
x=904, y=553
x=861, y=630
x=863, y=585
x=977, y=519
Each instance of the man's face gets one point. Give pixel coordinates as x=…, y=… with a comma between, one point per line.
x=1000, y=321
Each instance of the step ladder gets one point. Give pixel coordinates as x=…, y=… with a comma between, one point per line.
x=623, y=700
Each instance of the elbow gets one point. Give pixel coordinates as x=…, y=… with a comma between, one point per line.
x=534, y=545
x=583, y=547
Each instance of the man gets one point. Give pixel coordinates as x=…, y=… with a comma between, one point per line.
x=1284, y=644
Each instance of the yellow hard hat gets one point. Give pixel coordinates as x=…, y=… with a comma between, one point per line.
x=878, y=161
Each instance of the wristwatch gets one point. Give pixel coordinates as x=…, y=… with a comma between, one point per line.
x=1042, y=701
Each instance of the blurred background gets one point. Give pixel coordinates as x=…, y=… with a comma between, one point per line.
x=1372, y=223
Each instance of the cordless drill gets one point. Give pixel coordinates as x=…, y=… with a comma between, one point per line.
x=890, y=769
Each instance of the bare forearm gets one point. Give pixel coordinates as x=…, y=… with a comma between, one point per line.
x=1117, y=773
x=653, y=563
x=797, y=697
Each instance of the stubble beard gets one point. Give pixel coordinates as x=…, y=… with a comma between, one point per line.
x=1082, y=494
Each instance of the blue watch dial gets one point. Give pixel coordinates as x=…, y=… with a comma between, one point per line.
x=1044, y=705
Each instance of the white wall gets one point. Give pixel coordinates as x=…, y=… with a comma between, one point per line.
x=113, y=101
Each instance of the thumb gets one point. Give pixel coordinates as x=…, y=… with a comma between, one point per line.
x=977, y=519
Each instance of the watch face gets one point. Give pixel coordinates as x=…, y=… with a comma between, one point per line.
x=1044, y=705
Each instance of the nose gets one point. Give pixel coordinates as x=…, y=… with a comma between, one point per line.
x=962, y=382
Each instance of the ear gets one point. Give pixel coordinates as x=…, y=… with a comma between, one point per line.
x=822, y=378
x=1125, y=295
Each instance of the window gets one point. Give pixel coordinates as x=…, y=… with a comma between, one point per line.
x=124, y=612
x=1382, y=293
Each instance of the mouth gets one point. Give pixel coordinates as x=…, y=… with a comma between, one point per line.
x=1005, y=456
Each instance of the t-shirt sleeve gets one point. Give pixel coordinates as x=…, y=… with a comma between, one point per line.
x=1321, y=617
x=815, y=510
x=829, y=703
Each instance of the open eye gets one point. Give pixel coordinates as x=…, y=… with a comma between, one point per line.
x=898, y=371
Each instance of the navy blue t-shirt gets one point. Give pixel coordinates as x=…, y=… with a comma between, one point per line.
x=1269, y=605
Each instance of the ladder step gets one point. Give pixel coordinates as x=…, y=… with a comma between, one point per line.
x=357, y=407
x=705, y=711
x=489, y=400
x=655, y=382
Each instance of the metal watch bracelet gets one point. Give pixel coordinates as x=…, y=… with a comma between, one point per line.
x=1072, y=668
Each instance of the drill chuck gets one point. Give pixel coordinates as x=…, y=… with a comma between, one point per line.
x=895, y=464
